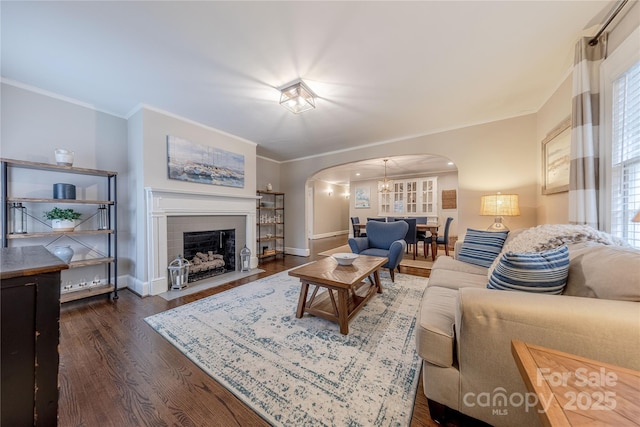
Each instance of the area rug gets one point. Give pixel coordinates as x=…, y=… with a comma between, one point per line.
x=303, y=371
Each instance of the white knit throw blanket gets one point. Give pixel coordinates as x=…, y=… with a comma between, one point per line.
x=549, y=236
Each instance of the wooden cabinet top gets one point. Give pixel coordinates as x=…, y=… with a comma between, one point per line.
x=28, y=261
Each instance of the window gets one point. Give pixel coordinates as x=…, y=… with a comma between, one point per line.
x=621, y=86
x=625, y=161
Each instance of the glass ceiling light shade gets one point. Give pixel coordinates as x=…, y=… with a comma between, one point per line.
x=297, y=98
x=385, y=185
x=499, y=205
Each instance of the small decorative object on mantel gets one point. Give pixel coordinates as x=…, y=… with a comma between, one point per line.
x=65, y=253
x=62, y=219
x=64, y=191
x=245, y=258
x=64, y=157
x=269, y=187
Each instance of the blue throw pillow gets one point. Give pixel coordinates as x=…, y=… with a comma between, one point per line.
x=482, y=247
x=540, y=272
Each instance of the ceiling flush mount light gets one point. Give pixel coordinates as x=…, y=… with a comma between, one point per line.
x=499, y=205
x=297, y=98
x=385, y=185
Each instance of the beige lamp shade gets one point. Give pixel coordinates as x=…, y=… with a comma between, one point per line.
x=499, y=205
x=636, y=218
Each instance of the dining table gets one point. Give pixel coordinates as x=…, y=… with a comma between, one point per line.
x=432, y=228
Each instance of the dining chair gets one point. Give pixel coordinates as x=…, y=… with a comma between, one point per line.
x=444, y=240
x=412, y=236
x=356, y=230
x=377, y=219
x=421, y=234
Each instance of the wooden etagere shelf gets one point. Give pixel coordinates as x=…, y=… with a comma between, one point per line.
x=270, y=224
x=109, y=257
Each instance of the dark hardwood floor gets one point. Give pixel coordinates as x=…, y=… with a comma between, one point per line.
x=115, y=370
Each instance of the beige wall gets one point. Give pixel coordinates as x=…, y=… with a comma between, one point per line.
x=553, y=208
x=330, y=209
x=498, y=156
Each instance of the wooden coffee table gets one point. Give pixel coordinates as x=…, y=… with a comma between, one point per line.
x=348, y=281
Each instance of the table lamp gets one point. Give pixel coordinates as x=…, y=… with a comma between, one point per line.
x=499, y=206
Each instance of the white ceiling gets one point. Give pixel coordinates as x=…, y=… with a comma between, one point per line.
x=382, y=70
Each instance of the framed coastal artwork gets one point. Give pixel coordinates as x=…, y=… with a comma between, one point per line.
x=363, y=197
x=193, y=162
x=556, y=158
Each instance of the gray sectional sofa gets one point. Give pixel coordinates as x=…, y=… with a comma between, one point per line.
x=465, y=330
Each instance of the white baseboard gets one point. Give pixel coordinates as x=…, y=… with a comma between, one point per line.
x=297, y=251
x=331, y=234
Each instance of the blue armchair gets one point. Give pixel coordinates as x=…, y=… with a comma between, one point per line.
x=384, y=239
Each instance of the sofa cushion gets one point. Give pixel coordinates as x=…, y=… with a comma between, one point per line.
x=456, y=279
x=540, y=272
x=448, y=263
x=604, y=271
x=481, y=247
x=435, y=333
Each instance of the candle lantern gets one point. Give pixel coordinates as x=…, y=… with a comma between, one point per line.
x=103, y=218
x=18, y=215
x=245, y=258
x=179, y=273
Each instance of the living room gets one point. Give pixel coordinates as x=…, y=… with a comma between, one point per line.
x=493, y=151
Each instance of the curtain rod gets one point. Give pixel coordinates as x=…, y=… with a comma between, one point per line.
x=594, y=40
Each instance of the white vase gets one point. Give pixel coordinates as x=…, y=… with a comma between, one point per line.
x=65, y=253
x=64, y=157
x=63, y=224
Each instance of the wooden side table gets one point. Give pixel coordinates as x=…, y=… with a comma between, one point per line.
x=575, y=391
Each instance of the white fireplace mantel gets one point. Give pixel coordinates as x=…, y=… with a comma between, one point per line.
x=162, y=203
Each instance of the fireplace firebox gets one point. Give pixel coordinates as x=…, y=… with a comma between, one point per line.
x=210, y=253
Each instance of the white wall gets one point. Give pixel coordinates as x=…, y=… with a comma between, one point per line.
x=267, y=172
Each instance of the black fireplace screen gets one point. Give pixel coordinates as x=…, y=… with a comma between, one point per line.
x=210, y=253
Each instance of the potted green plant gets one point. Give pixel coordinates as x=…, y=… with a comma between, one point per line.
x=62, y=219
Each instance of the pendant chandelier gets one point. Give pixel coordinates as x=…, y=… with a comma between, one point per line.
x=385, y=185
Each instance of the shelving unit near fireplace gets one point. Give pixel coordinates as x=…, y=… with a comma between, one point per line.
x=270, y=224
x=108, y=253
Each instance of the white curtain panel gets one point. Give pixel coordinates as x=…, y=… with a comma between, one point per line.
x=585, y=161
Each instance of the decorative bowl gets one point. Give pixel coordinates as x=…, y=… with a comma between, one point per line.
x=345, y=258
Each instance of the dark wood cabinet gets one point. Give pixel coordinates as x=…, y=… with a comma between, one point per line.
x=30, y=304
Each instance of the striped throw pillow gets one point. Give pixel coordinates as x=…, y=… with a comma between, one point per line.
x=482, y=247
x=540, y=272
